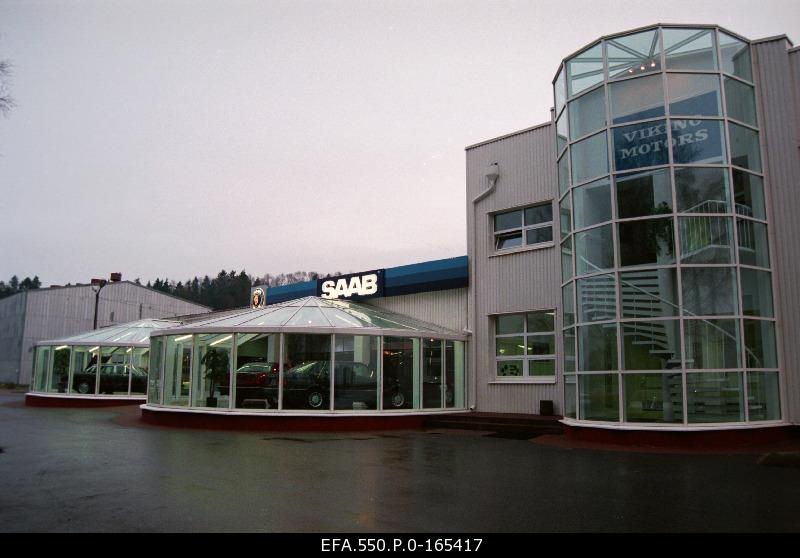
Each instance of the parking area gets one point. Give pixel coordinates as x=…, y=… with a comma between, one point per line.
x=78, y=470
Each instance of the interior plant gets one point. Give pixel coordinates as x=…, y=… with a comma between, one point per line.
x=216, y=363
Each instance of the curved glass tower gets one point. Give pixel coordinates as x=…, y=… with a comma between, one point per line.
x=666, y=278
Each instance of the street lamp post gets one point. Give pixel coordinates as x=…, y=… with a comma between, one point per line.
x=99, y=283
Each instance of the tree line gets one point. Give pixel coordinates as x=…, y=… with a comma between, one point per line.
x=228, y=289
x=15, y=286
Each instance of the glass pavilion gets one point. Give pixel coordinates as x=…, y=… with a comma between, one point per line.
x=69, y=366
x=308, y=356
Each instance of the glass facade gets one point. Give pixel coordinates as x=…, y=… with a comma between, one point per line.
x=373, y=360
x=112, y=361
x=666, y=272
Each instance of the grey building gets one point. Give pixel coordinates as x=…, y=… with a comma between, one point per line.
x=663, y=295
x=36, y=315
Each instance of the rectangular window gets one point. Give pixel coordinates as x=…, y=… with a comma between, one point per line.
x=527, y=226
x=525, y=346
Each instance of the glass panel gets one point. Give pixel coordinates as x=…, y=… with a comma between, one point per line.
x=539, y=345
x=561, y=133
x=541, y=367
x=538, y=235
x=356, y=368
x=510, y=323
x=594, y=250
x=84, y=370
x=211, y=370
x=140, y=367
x=735, y=56
x=257, y=371
x=599, y=397
x=177, y=370
x=542, y=213
x=587, y=114
x=759, y=342
x=597, y=298
x=592, y=203
x=740, y=101
x=756, y=293
x=646, y=242
x=306, y=371
x=113, y=371
x=753, y=243
x=648, y=293
x=714, y=397
x=690, y=49
x=400, y=373
x=566, y=216
x=694, y=95
x=566, y=260
x=712, y=343
x=597, y=347
x=763, y=396
x=541, y=322
x=653, y=398
x=702, y=190
x=706, y=239
x=697, y=142
x=563, y=173
x=560, y=90
x=156, y=371
x=637, y=99
x=709, y=291
x=748, y=192
x=651, y=345
x=40, y=369
x=570, y=394
x=585, y=69
x=432, y=381
x=508, y=220
x=568, y=304
x=589, y=158
x=454, y=374
x=640, y=145
x=633, y=54
x=510, y=346
x=569, y=349
x=644, y=193
x=745, y=150
x=309, y=316
x=509, y=368
x=59, y=377
x=512, y=240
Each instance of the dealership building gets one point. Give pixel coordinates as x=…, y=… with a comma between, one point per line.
x=631, y=266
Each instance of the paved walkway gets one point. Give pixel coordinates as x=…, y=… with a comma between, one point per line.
x=78, y=470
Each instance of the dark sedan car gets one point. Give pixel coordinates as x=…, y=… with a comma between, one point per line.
x=113, y=379
x=307, y=385
x=251, y=381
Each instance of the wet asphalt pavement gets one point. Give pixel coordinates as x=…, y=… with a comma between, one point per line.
x=100, y=470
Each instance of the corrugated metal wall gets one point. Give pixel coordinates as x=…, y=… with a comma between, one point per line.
x=446, y=308
x=519, y=282
x=12, y=324
x=778, y=78
x=59, y=312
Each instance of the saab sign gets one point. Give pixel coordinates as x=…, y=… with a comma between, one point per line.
x=354, y=286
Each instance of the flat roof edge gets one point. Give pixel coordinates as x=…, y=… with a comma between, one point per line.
x=773, y=38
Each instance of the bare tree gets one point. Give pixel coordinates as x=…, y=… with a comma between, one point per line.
x=6, y=102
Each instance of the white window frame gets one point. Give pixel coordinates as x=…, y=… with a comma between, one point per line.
x=526, y=358
x=523, y=229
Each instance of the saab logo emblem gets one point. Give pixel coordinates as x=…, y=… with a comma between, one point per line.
x=257, y=298
x=360, y=285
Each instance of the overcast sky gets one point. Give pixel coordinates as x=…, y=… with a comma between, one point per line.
x=177, y=138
